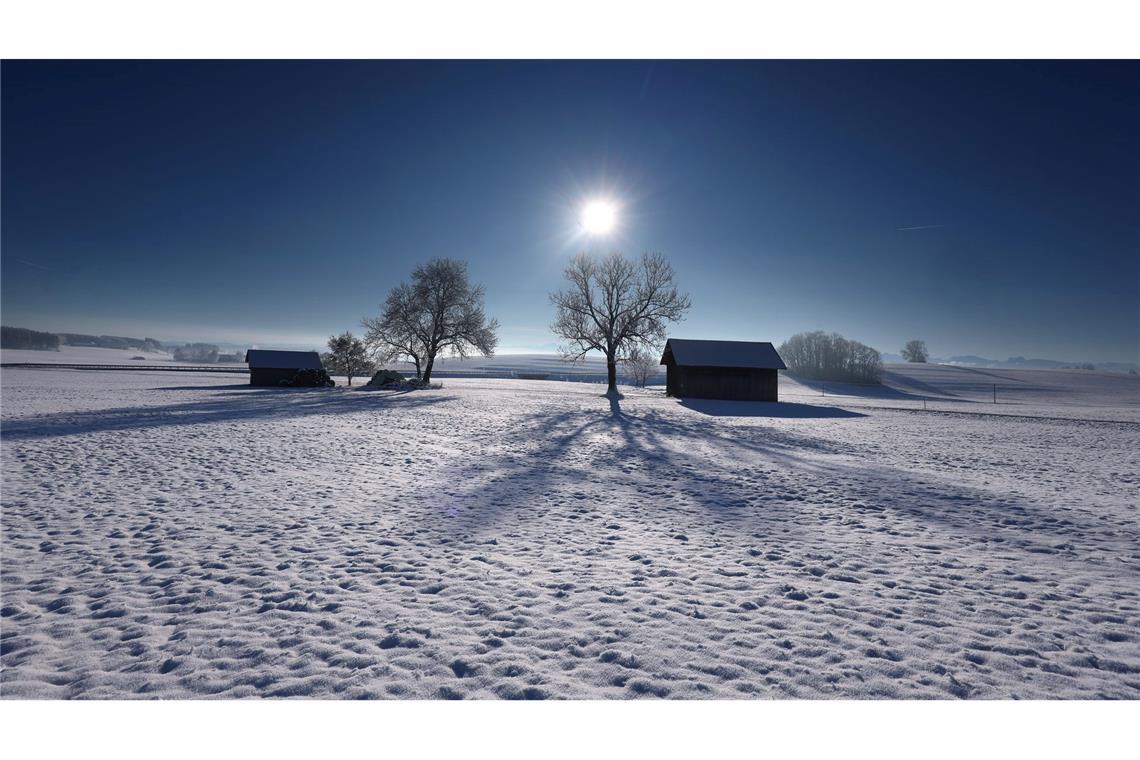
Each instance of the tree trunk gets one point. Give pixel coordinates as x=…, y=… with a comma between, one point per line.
x=427, y=370
x=611, y=375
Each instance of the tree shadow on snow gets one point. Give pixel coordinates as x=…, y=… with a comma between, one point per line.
x=885, y=392
x=772, y=409
x=743, y=476
x=550, y=460
x=230, y=387
x=234, y=406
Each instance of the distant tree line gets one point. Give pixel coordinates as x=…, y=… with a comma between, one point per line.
x=110, y=341
x=21, y=337
x=822, y=356
x=200, y=353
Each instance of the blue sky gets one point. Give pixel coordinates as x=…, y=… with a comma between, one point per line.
x=987, y=207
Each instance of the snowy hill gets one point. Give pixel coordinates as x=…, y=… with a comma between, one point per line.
x=1038, y=392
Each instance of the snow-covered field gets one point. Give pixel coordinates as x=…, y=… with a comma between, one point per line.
x=178, y=535
x=85, y=355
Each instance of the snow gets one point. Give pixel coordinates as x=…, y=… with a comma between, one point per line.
x=178, y=535
x=84, y=355
x=1075, y=394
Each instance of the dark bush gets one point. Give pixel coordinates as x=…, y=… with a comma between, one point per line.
x=386, y=377
x=309, y=378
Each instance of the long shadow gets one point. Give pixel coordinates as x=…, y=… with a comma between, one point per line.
x=977, y=371
x=243, y=404
x=855, y=389
x=905, y=384
x=231, y=387
x=615, y=405
x=771, y=409
x=549, y=453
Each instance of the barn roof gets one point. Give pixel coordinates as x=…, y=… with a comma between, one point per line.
x=722, y=353
x=264, y=359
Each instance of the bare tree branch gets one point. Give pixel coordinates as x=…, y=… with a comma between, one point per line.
x=348, y=356
x=614, y=306
x=438, y=313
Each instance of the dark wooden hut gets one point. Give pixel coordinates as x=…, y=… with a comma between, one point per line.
x=721, y=369
x=271, y=367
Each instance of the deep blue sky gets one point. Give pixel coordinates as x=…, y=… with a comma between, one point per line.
x=988, y=207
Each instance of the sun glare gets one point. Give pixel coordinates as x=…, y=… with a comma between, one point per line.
x=599, y=217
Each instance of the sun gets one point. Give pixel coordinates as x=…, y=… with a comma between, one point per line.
x=599, y=217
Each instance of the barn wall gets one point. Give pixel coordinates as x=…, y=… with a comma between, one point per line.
x=730, y=383
x=274, y=377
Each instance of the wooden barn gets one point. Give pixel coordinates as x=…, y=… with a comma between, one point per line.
x=271, y=367
x=722, y=369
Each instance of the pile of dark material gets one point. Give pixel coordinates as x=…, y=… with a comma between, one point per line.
x=386, y=377
x=309, y=378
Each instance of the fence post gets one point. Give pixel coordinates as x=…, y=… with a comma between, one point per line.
x=995, y=393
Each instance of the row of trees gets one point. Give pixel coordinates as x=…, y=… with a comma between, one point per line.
x=23, y=338
x=822, y=356
x=613, y=305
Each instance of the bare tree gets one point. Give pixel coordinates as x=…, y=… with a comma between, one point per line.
x=438, y=312
x=614, y=305
x=915, y=351
x=641, y=365
x=347, y=356
x=398, y=333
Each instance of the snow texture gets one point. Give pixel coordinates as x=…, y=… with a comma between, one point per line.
x=84, y=355
x=172, y=535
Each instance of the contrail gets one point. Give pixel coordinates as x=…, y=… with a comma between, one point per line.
x=648, y=77
x=36, y=266
x=919, y=227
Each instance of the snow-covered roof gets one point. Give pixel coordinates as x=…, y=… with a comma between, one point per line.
x=264, y=359
x=722, y=353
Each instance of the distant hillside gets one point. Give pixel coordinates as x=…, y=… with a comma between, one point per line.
x=110, y=341
x=22, y=339
x=1019, y=362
